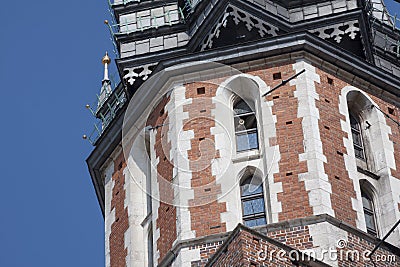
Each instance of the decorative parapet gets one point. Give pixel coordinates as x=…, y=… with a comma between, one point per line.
x=135, y=73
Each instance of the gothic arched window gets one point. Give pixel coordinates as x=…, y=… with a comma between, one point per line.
x=245, y=127
x=253, y=204
x=357, y=137
x=369, y=213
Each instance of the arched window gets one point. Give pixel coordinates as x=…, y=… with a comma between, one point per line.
x=245, y=127
x=253, y=204
x=369, y=213
x=357, y=137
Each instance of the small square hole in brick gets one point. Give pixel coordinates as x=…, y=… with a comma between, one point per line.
x=391, y=111
x=207, y=189
x=203, y=110
x=327, y=100
x=275, y=97
x=330, y=81
x=289, y=122
x=277, y=76
x=289, y=173
x=202, y=138
x=201, y=90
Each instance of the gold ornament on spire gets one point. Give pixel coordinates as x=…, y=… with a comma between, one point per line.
x=106, y=59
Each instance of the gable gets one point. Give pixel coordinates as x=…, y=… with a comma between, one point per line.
x=237, y=26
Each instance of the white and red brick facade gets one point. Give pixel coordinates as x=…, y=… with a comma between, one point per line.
x=305, y=154
x=169, y=172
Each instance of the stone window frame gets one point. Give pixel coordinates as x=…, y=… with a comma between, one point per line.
x=359, y=112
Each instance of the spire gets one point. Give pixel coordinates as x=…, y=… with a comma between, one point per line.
x=106, y=90
x=106, y=61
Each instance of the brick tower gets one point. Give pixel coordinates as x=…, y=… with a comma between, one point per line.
x=250, y=133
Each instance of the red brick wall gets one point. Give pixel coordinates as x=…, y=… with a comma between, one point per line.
x=118, y=252
x=205, y=211
x=355, y=243
x=333, y=147
x=290, y=139
x=297, y=237
x=166, y=221
x=245, y=249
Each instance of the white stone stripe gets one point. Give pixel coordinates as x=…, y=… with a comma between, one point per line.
x=180, y=145
x=316, y=180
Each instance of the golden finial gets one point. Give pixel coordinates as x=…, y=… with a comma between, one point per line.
x=106, y=59
x=106, y=22
x=84, y=136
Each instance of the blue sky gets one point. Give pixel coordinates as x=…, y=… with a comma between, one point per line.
x=50, y=68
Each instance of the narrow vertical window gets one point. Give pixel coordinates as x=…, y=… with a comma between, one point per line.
x=253, y=202
x=357, y=137
x=369, y=213
x=245, y=127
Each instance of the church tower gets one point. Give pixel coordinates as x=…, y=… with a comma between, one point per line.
x=250, y=133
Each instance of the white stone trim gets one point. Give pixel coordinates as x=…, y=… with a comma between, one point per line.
x=267, y=157
x=388, y=187
x=180, y=145
x=325, y=237
x=109, y=214
x=155, y=192
x=316, y=181
x=185, y=257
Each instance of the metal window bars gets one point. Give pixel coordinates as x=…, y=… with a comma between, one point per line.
x=382, y=16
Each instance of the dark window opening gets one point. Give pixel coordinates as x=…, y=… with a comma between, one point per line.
x=245, y=127
x=201, y=91
x=357, y=137
x=253, y=204
x=369, y=213
x=277, y=76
